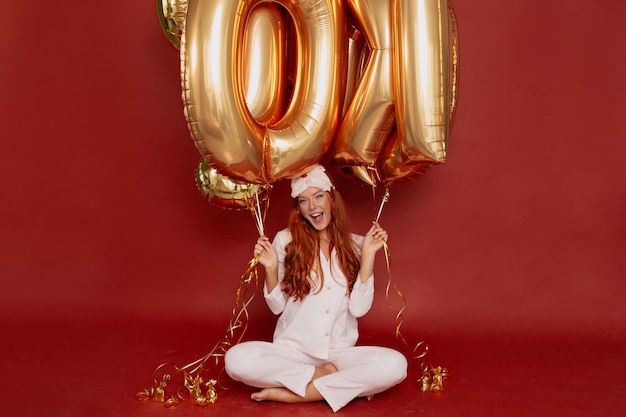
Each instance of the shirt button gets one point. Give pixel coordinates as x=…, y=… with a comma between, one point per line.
x=328, y=288
x=327, y=311
x=326, y=334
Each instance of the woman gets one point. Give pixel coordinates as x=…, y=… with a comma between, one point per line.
x=319, y=278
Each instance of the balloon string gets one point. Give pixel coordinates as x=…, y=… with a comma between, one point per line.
x=384, y=200
x=432, y=377
x=192, y=372
x=258, y=216
x=399, y=312
x=251, y=274
x=257, y=212
x=236, y=322
x=391, y=284
x=373, y=180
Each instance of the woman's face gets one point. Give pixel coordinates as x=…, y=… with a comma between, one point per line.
x=315, y=206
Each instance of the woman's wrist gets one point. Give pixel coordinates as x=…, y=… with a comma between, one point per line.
x=271, y=269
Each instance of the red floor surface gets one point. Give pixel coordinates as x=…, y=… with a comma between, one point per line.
x=83, y=369
x=511, y=255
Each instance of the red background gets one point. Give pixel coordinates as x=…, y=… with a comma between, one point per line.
x=511, y=255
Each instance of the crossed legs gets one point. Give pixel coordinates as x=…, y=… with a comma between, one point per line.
x=287, y=375
x=284, y=395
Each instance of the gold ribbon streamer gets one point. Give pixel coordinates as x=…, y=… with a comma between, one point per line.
x=202, y=392
x=432, y=377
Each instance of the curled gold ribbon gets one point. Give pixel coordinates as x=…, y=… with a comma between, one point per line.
x=202, y=392
x=432, y=377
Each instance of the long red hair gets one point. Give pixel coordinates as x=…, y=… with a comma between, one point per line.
x=302, y=253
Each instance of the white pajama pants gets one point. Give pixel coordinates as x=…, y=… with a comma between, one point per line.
x=362, y=370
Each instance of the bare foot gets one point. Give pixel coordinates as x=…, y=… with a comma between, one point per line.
x=278, y=394
x=327, y=368
x=330, y=368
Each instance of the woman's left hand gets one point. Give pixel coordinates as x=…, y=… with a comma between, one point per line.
x=374, y=239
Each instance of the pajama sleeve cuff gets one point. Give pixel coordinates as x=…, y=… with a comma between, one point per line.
x=362, y=296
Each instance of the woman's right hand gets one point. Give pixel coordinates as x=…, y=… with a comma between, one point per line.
x=265, y=251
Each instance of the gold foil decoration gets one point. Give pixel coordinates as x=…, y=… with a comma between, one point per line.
x=156, y=392
x=159, y=394
x=432, y=378
x=194, y=384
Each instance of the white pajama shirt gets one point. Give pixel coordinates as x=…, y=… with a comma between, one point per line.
x=320, y=328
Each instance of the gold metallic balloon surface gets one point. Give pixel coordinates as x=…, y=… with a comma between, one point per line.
x=265, y=66
x=224, y=192
x=225, y=132
x=171, y=15
x=378, y=81
x=399, y=120
x=370, y=116
x=393, y=169
x=357, y=56
x=425, y=119
x=422, y=77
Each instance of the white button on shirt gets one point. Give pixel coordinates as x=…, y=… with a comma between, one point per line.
x=323, y=320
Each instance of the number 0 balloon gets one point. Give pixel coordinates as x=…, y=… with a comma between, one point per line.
x=225, y=131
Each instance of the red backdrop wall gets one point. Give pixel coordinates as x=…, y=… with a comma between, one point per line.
x=521, y=231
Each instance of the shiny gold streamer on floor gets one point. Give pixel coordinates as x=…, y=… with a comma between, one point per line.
x=203, y=391
x=432, y=377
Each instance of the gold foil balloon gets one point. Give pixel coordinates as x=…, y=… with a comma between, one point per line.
x=422, y=77
x=370, y=116
x=171, y=15
x=409, y=90
x=224, y=192
x=212, y=64
x=424, y=120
